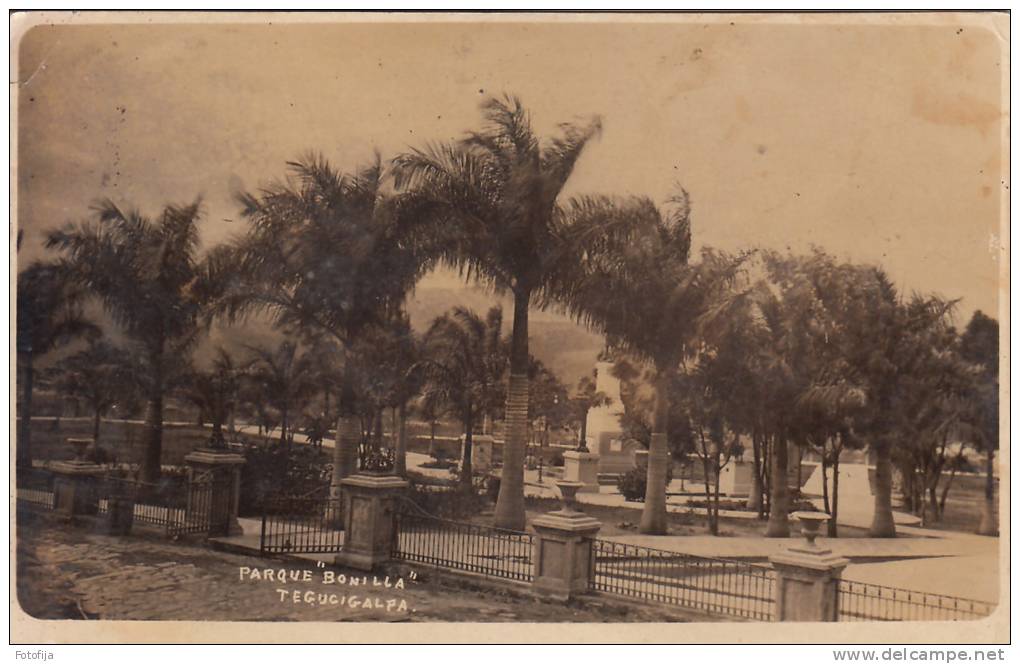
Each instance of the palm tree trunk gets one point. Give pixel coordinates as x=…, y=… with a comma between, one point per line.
x=432, y=438
x=779, y=503
x=989, y=525
x=95, y=427
x=509, y=511
x=284, y=425
x=653, y=516
x=754, y=501
x=24, y=444
x=401, y=456
x=882, y=524
x=152, y=461
x=582, y=445
x=348, y=435
x=466, y=469
x=834, y=519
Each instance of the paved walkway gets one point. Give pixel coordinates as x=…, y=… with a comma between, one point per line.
x=71, y=573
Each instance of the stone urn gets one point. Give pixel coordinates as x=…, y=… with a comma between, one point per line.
x=568, y=495
x=80, y=447
x=811, y=524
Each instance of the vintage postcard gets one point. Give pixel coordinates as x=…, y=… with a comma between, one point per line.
x=338, y=328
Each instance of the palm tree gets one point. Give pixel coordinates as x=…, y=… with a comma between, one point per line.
x=650, y=303
x=215, y=392
x=493, y=199
x=148, y=276
x=287, y=379
x=586, y=397
x=323, y=256
x=100, y=376
x=49, y=315
x=464, y=363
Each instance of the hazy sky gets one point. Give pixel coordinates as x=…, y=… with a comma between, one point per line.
x=878, y=143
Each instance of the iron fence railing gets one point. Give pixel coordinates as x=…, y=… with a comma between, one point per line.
x=467, y=547
x=723, y=587
x=171, y=505
x=34, y=486
x=869, y=602
x=302, y=525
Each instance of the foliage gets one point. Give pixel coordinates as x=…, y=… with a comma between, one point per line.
x=150, y=280
x=274, y=472
x=634, y=483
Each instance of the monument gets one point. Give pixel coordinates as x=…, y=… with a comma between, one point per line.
x=605, y=437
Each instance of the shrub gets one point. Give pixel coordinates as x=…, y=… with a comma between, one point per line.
x=633, y=484
x=557, y=459
x=276, y=472
x=445, y=500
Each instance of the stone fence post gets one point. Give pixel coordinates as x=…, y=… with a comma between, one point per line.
x=369, y=503
x=214, y=489
x=76, y=482
x=563, y=555
x=807, y=577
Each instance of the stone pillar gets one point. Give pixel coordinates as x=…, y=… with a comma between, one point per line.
x=582, y=467
x=563, y=548
x=369, y=507
x=807, y=577
x=214, y=489
x=76, y=487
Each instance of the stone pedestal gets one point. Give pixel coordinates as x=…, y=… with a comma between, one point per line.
x=807, y=581
x=369, y=506
x=76, y=487
x=563, y=549
x=214, y=489
x=582, y=467
x=481, y=452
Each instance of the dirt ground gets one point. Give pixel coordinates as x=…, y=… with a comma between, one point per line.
x=66, y=572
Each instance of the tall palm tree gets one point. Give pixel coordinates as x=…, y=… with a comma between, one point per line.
x=651, y=303
x=100, y=376
x=493, y=199
x=149, y=277
x=49, y=315
x=464, y=363
x=322, y=255
x=287, y=377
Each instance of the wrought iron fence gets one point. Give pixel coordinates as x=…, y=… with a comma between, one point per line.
x=174, y=507
x=724, y=587
x=869, y=602
x=302, y=525
x=467, y=547
x=34, y=486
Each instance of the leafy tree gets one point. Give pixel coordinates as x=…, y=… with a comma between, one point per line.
x=150, y=279
x=494, y=200
x=323, y=256
x=101, y=376
x=979, y=344
x=49, y=315
x=465, y=360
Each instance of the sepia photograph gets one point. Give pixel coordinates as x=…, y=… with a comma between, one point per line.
x=568, y=326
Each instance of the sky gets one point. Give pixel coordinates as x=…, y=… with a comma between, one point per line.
x=878, y=143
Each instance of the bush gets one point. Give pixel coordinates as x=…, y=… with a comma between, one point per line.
x=445, y=500
x=557, y=459
x=275, y=472
x=633, y=484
